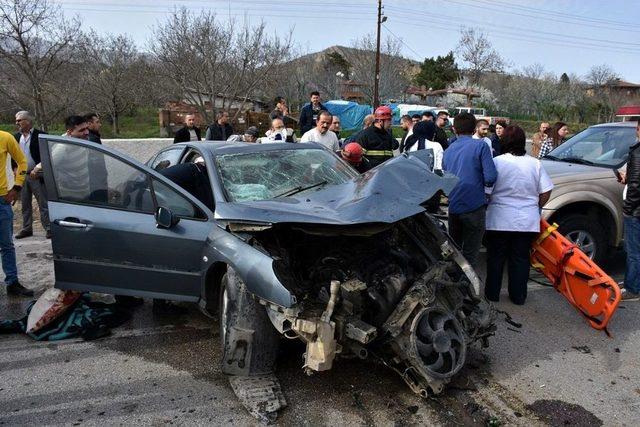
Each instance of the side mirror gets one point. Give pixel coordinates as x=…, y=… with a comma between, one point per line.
x=165, y=218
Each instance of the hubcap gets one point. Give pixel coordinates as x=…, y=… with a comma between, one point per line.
x=584, y=241
x=440, y=343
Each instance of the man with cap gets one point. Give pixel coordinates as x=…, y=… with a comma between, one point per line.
x=377, y=140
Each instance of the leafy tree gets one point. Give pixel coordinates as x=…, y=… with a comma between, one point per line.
x=438, y=72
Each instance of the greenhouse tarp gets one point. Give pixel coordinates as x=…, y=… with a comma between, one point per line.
x=351, y=113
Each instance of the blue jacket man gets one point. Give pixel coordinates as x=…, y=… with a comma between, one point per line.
x=309, y=113
x=471, y=161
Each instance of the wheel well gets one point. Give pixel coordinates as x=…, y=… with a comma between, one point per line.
x=212, y=284
x=593, y=210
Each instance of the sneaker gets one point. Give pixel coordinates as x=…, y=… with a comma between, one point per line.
x=23, y=233
x=18, y=289
x=629, y=296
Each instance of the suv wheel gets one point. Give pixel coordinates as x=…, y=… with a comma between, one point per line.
x=249, y=341
x=587, y=234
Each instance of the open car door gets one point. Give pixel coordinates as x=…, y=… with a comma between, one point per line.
x=107, y=234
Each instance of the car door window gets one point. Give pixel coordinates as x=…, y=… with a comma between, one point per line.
x=87, y=176
x=166, y=158
x=167, y=197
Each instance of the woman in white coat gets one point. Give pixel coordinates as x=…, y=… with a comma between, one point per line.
x=513, y=215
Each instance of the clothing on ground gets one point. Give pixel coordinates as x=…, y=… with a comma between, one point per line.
x=513, y=204
x=470, y=160
x=85, y=319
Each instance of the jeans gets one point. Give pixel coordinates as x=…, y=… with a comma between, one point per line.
x=467, y=230
x=632, y=247
x=512, y=247
x=7, y=250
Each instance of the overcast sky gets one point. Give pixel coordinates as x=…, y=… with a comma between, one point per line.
x=563, y=35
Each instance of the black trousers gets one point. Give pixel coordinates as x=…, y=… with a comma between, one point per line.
x=467, y=230
x=512, y=247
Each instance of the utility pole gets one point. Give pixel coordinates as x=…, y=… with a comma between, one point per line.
x=376, y=84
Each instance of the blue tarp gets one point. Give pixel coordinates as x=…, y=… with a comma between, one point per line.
x=351, y=113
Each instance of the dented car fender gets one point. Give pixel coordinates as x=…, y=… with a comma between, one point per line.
x=254, y=267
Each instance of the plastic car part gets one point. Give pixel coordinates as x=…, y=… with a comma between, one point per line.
x=249, y=342
x=261, y=395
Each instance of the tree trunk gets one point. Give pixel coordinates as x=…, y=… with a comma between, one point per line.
x=115, y=118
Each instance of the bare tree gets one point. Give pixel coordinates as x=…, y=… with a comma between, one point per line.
x=600, y=79
x=215, y=65
x=113, y=77
x=395, y=71
x=476, y=51
x=36, y=49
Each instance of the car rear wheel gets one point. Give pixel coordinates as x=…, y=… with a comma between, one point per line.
x=249, y=341
x=587, y=234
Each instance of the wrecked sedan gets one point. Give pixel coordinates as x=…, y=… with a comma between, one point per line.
x=289, y=241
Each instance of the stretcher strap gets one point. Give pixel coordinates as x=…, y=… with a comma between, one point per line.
x=546, y=233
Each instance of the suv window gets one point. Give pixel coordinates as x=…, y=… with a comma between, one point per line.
x=600, y=146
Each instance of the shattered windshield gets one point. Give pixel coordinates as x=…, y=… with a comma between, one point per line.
x=270, y=174
x=597, y=146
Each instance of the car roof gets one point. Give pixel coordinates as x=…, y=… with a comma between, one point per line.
x=223, y=147
x=617, y=124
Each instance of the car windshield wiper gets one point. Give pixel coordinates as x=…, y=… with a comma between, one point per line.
x=300, y=189
x=577, y=160
x=550, y=157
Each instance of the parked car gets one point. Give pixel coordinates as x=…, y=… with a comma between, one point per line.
x=587, y=199
x=297, y=244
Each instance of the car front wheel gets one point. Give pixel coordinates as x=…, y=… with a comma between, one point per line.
x=587, y=234
x=249, y=341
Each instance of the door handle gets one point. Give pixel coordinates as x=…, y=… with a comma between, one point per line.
x=71, y=224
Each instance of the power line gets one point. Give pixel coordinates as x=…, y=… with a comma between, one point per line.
x=401, y=41
x=503, y=9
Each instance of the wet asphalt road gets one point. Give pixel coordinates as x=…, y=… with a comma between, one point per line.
x=162, y=370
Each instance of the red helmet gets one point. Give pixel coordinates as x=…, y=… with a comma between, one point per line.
x=352, y=152
x=383, y=113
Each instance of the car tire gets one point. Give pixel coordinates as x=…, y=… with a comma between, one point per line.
x=587, y=233
x=248, y=339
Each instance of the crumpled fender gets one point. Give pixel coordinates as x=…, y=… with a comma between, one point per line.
x=254, y=267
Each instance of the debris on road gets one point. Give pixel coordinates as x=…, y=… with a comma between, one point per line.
x=261, y=395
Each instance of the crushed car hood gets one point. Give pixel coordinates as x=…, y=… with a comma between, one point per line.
x=386, y=194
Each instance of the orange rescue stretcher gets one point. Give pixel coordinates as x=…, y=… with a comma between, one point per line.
x=589, y=289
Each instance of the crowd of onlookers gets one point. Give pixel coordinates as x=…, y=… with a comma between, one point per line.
x=498, y=198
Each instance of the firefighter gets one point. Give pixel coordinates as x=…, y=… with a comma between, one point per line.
x=352, y=153
x=377, y=140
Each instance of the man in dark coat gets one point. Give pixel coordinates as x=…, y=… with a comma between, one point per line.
x=189, y=132
x=93, y=120
x=221, y=130
x=631, y=216
x=309, y=113
x=27, y=138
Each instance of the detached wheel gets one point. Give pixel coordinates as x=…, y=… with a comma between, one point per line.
x=587, y=234
x=249, y=342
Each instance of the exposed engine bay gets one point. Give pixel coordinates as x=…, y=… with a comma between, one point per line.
x=400, y=293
